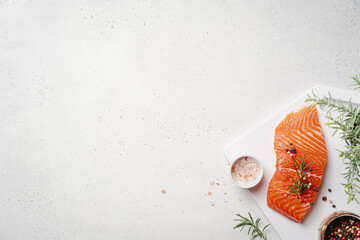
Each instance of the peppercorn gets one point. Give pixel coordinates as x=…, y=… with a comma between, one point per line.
x=290, y=143
x=329, y=190
x=324, y=198
x=311, y=203
x=343, y=227
x=333, y=206
x=286, y=150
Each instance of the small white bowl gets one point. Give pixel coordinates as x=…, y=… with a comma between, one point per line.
x=255, y=182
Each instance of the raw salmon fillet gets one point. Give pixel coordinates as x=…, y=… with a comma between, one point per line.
x=299, y=129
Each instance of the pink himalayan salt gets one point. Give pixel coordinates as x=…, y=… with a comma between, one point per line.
x=245, y=170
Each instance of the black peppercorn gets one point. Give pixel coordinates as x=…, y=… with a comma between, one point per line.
x=290, y=143
x=333, y=206
x=329, y=190
x=324, y=198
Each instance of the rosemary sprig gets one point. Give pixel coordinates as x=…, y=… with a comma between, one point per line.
x=344, y=118
x=356, y=82
x=253, y=225
x=301, y=168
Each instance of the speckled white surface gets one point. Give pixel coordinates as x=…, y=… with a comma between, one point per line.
x=104, y=104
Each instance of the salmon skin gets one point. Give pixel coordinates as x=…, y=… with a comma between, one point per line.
x=300, y=130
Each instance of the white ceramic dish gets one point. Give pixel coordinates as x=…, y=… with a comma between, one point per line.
x=263, y=135
x=252, y=184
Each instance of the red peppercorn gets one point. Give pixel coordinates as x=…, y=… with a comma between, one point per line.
x=332, y=234
x=343, y=238
x=354, y=234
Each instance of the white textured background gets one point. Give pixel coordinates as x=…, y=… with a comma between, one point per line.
x=105, y=103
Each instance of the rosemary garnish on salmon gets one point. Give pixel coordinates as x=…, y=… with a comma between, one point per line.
x=301, y=168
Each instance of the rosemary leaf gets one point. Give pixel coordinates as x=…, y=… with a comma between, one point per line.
x=301, y=168
x=253, y=226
